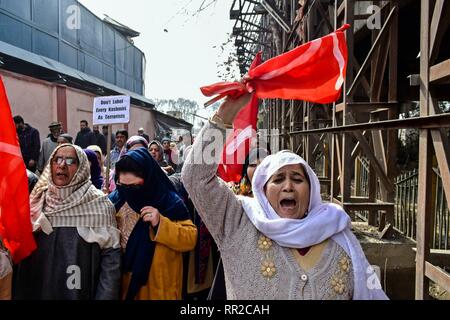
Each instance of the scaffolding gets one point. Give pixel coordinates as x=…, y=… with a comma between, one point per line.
x=398, y=59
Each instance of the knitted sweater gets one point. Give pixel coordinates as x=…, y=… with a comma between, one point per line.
x=256, y=267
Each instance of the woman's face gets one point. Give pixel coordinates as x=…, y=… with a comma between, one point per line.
x=288, y=192
x=251, y=169
x=99, y=157
x=130, y=179
x=154, y=151
x=62, y=172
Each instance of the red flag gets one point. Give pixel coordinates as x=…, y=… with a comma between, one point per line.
x=15, y=223
x=314, y=72
x=237, y=145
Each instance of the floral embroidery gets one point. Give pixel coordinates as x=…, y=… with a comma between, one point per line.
x=337, y=284
x=268, y=269
x=345, y=264
x=340, y=278
x=264, y=243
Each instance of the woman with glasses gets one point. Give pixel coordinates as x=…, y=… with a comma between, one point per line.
x=78, y=250
x=158, y=233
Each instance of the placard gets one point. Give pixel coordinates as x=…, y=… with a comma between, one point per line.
x=111, y=110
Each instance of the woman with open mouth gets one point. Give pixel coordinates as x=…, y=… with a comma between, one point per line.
x=284, y=243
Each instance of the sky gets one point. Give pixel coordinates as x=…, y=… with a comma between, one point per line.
x=181, y=60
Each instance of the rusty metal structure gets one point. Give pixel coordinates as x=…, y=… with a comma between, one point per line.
x=398, y=62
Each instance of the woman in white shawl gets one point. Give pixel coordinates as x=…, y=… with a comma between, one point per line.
x=284, y=243
x=78, y=249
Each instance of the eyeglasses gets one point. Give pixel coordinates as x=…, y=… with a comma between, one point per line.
x=68, y=161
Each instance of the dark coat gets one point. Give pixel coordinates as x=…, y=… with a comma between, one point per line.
x=30, y=143
x=85, y=138
x=51, y=271
x=100, y=141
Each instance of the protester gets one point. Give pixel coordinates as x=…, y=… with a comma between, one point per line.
x=100, y=139
x=284, y=243
x=152, y=261
x=253, y=159
x=168, y=153
x=121, y=138
x=156, y=151
x=95, y=168
x=65, y=138
x=85, y=137
x=30, y=143
x=78, y=253
x=174, y=154
x=98, y=153
x=49, y=144
x=143, y=134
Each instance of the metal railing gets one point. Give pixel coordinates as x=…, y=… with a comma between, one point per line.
x=406, y=188
x=406, y=191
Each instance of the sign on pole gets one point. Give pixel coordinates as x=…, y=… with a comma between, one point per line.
x=107, y=111
x=111, y=110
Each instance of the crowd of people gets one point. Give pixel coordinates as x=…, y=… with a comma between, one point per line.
x=160, y=225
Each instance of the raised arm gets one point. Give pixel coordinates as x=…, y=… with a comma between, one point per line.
x=216, y=203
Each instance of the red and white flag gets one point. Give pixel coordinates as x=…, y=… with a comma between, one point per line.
x=15, y=223
x=237, y=145
x=314, y=71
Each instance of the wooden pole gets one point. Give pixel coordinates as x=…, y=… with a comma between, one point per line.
x=108, y=157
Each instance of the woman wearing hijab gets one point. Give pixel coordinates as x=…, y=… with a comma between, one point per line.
x=78, y=250
x=152, y=261
x=254, y=158
x=96, y=170
x=156, y=151
x=101, y=161
x=284, y=243
x=98, y=152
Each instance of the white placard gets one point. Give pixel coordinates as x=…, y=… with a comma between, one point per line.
x=111, y=110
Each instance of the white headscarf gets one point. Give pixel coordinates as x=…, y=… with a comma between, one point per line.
x=323, y=221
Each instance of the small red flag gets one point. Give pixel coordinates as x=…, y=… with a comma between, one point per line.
x=15, y=223
x=237, y=145
x=314, y=71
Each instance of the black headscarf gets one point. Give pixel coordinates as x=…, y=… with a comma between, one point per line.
x=158, y=192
